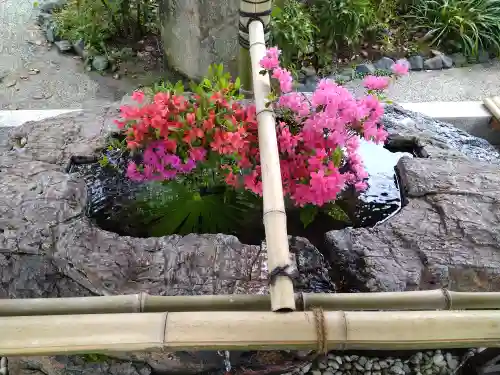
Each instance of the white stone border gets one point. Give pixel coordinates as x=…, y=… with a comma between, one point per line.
x=19, y=117
x=472, y=116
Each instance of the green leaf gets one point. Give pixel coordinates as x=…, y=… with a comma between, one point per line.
x=237, y=83
x=337, y=156
x=276, y=12
x=104, y=161
x=199, y=114
x=308, y=214
x=179, y=88
x=263, y=72
x=336, y=212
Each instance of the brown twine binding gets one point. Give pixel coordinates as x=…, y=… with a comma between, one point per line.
x=319, y=318
x=447, y=298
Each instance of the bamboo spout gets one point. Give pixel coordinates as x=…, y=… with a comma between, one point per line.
x=282, y=298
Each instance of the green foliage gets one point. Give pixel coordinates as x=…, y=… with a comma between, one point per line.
x=309, y=212
x=99, y=21
x=293, y=30
x=215, y=80
x=459, y=25
x=179, y=207
x=88, y=20
x=342, y=22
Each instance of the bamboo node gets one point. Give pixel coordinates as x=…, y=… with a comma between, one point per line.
x=280, y=271
x=322, y=340
x=447, y=298
x=142, y=301
x=265, y=110
x=256, y=43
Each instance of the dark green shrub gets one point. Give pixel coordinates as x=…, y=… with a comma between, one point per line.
x=342, y=23
x=293, y=30
x=99, y=21
x=459, y=25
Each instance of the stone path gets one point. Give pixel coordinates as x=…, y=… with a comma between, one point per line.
x=458, y=84
x=35, y=76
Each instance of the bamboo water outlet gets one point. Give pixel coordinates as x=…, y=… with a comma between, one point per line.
x=48, y=335
x=440, y=299
x=254, y=14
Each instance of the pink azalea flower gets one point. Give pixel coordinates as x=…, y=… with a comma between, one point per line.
x=401, y=67
x=271, y=60
x=138, y=96
x=376, y=83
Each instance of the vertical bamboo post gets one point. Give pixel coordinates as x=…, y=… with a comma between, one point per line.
x=249, y=12
x=255, y=16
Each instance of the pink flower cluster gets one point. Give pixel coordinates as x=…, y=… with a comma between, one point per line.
x=318, y=137
x=399, y=69
x=318, y=141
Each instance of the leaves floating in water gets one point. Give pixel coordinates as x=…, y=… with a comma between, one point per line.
x=174, y=208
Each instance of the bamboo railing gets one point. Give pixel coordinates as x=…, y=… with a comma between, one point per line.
x=440, y=299
x=217, y=330
x=141, y=322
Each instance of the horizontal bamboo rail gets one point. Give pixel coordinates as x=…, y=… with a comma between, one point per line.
x=439, y=299
x=105, y=333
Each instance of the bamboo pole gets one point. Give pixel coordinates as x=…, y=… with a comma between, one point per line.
x=250, y=10
x=439, y=299
x=382, y=330
x=282, y=298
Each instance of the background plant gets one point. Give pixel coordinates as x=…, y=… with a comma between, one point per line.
x=98, y=22
x=459, y=25
x=293, y=29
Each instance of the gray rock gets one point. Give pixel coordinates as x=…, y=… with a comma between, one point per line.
x=100, y=63
x=416, y=62
x=438, y=360
x=51, y=6
x=385, y=63
x=362, y=360
x=454, y=192
x=441, y=137
x=75, y=365
x=434, y=63
x=442, y=193
x=483, y=56
x=64, y=46
x=43, y=18
x=365, y=68
x=383, y=364
x=459, y=59
x=51, y=32
x=308, y=71
x=447, y=62
x=50, y=249
x=396, y=369
x=334, y=365
x=79, y=48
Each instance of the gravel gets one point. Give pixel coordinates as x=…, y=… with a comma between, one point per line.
x=433, y=362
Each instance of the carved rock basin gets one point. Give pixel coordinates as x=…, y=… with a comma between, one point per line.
x=50, y=249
